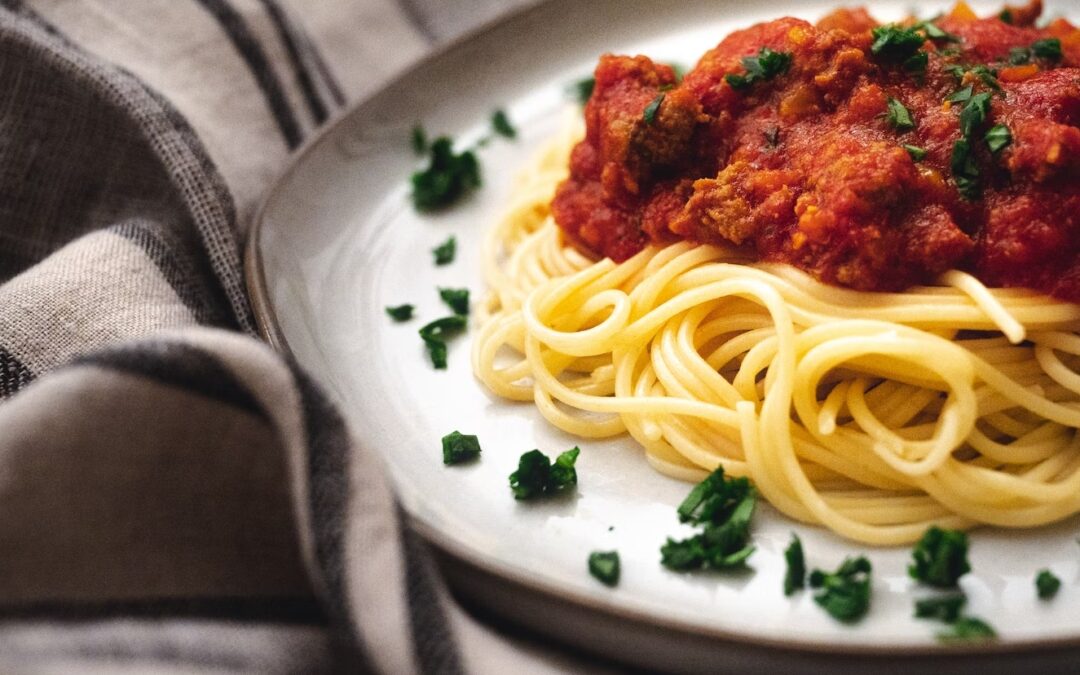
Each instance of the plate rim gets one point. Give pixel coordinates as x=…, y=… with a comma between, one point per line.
x=270, y=331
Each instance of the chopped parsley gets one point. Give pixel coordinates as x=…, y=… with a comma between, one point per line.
x=933, y=32
x=998, y=138
x=1006, y=16
x=944, y=608
x=1047, y=584
x=435, y=334
x=974, y=114
x=988, y=76
x=968, y=628
x=898, y=116
x=1047, y=48
x=448, y=177
x=604, y=565
x=896, y=43
x=940, y=558
x=536, y=476
x=1019, y=56
x=917, y=153
x=458, y=447
x=501, y=124
x=723, y=507
x=400, y=313
x=582, y=89
x=764, y=66
x=419, y=140
x=795, y=576
x=649, y=116
x=456, y=299
x=917, y=63
x=445, y=252
x=965, y=170
x=961, y=95
x=845, y=593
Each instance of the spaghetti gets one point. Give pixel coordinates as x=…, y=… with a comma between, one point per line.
x=873, y=414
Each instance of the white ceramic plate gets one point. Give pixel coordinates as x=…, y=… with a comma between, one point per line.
x=338, y=241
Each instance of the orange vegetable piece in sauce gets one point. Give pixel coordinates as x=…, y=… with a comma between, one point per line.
x=962, y=13
x=1018, y=73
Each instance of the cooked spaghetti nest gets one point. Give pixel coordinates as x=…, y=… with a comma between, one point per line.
x=874, y=414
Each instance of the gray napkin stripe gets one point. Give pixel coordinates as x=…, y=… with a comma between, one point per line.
x=180, y=365
x=13, y=374
x=316, y=105
x=251, y=51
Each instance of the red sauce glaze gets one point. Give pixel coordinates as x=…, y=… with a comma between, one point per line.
x=806, y=169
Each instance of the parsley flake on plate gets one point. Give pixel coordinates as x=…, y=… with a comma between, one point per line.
x=444, y=253
x=845, y=593
x=723, y=507
x=419, y=140
x=896, y=43
x=1048, y=48
x=456, y=299
x=448, y=177
x=400, y=313
x=458, y=447
x=940, y=558
x=435, y=335
x=502, y=126
x=537, y=476
x=974, y=114
x=945, y=608
x=998, y=138
x=649, y=115
x=917, y=153
x=965, y=170
x=1047, y=584
x=968, y=628
x=604, y=565
x=795, y=576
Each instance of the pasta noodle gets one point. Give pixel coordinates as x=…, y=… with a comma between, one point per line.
x=873, y=414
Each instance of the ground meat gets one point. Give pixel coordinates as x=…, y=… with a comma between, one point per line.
x=804, y=164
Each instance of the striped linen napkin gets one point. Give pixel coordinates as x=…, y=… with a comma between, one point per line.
x=175, y=496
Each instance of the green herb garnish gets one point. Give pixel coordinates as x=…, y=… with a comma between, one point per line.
x=1006, y=16
x=1019, y=56
x=795, y=576
x=445, y=252
x=845, y=593
x=933, y=32
x=974, y=114
x=1047, y=48
x=961, y=95
x=896, y=43
x=501, y=124
x=940, y=558
x=898, y=116
x=448, y=177
x=419, y=140
x=998, y=138
x=965, y=170
x=917, y=64
x=762, y=67
x=604, y=565
x=457, y=299
x=968, y=628
x=724, y=508
x=435, y=335
x=400, y=313
x=582, y=89
x=1047, y=584
x=536, y=476
x=458, y=447
x=917, y=153
x=945, y=608
x=649, y=116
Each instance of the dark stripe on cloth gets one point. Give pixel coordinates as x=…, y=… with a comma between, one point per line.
x=178, y=365
x=328, y=78
x=278, y=610
x=284, y=30
x=416, y=17
x=433, y=640
x=200, y=185
x=328, y=494
x=179, y=271
x=13, y=374
x=248, y=46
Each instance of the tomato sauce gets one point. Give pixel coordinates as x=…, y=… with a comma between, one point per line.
x=861, y=154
